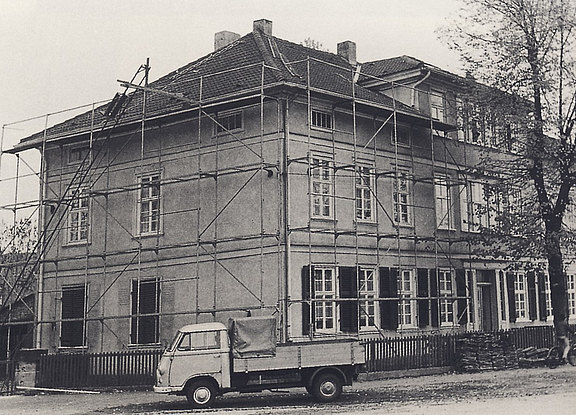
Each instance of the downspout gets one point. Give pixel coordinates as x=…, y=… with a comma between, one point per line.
x=286, y=230
x=413, y=97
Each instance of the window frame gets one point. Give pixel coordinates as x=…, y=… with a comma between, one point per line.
x=319, y=114
x=149, y=200
x=369, y=311
x=447, y=304
x=83, y=150
x=438, y=110
x=78, y=210
x=77, y=288
x=407, y=318
x=521, y=296
x=322, y=165
x=361, y=172
x=402, y=174
x=395, y=134
x=446, y=222
x=137, y=318
x=322, y=304
x=227, y=115
x=571, y=293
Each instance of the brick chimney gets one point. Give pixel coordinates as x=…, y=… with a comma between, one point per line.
x=264, y=26
x=224, y=38
x=347, y=50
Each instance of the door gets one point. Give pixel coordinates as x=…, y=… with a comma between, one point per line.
x=197, y=353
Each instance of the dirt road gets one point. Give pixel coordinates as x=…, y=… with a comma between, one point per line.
x=524, y=391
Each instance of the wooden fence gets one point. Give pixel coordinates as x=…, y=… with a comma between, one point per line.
x=137, y=367
x=125, y=368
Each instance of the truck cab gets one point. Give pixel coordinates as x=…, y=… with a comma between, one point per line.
x=199, y=353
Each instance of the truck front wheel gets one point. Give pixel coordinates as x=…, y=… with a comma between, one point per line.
x=201, y=394
x=327, y=387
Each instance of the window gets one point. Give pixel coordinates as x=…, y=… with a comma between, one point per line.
x=437, y=105
x=72, y=311
x=229, y=122
x=446, y=289
x=145, y=309
x=78, y=154
x=548, y=294
x=325, y=289
x=402, y=214
x=200, y=341
x=407, y=303
x=367, y=293
x=149, y=204
x=321, y=119
x=322, y=184
x=520, y=296
x=401, y=135
x=444, y=214
x=365, y=194
x=571, y=294
x=474, y=210
x=78, y=217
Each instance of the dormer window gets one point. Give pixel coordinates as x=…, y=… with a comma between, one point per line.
x=322, y=119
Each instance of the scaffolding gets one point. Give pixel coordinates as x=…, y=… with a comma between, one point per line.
x=279, y=154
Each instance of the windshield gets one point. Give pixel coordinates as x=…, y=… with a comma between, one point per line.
x=174, y=342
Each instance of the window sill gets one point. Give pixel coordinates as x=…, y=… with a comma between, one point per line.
x=76, y=244
x=366, y=222
x=148, y=235
x=324, y=129
x=72, y=349
x=145, y=346
x=404, y=225
x=323, y=219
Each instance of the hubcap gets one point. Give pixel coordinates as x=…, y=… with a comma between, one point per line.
x=327, y=388
x=202, y=395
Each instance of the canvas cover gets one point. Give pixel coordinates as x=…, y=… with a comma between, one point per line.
x=253, y=336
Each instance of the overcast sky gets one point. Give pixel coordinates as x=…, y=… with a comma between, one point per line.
x=58, y=54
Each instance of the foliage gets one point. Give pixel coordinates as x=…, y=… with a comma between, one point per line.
x=526, y=49
x=313, y=44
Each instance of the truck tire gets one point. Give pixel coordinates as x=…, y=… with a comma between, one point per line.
x=327, y=387
x=201, y=394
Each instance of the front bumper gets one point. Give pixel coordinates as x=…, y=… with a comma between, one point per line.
x=164, y=389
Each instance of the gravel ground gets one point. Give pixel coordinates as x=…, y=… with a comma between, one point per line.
x=522, y=391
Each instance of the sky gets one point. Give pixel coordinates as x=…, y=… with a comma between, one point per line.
x=60, y=54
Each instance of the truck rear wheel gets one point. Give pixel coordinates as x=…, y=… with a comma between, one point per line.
x=327, y=387
x=201, y=394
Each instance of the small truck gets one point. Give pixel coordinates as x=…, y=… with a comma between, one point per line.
x=209, y=359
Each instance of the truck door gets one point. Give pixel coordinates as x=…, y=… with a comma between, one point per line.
x=197, y=353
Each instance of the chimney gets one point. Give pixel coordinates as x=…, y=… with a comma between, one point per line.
x=224, y=38
x=347, y=50
x=264, y=26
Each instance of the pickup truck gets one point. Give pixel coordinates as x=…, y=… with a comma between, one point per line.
x=209, y=359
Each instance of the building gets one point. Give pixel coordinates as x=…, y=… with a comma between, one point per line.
x=267, y=178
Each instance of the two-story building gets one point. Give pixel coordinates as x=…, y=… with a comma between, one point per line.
x=268, y=178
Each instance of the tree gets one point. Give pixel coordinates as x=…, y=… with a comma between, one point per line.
x=17, y=244
x=526, y=49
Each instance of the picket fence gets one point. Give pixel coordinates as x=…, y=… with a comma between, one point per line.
x=137, y=367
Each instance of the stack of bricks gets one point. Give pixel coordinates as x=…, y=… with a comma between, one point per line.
x=477, y=352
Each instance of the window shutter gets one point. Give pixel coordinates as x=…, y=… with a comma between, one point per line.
x=307, y=294
x=348, y=288
x=461, y=292
x=389, y=289
x=542, y=296
x=434, y=320
x=423, y=291
x=72, y=306
x=511, y=297
x=532, y=298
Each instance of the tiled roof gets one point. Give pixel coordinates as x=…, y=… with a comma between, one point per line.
x=389, y=66
x=233, y=70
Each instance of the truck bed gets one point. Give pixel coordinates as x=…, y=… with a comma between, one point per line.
x=305, y=354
